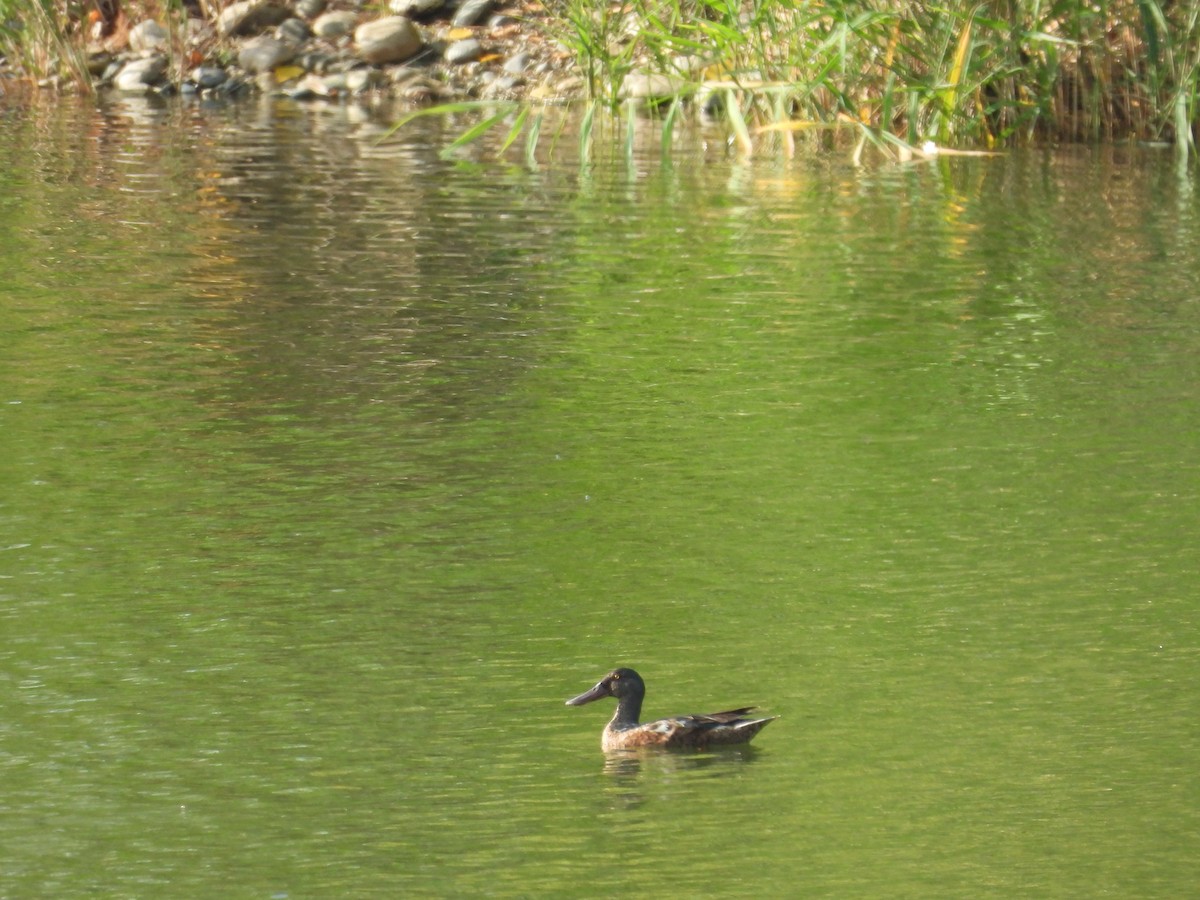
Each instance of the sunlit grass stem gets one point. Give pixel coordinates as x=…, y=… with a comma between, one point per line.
x=37, y=36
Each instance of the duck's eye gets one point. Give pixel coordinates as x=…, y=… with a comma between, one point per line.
x=616, y=677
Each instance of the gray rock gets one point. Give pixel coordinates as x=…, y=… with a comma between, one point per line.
x=463, y=51
x=415, y=9
x=199, y=31
x=137, y=75
x=315, y=61
x=354, y=81
x=359, y=80
x=515, y=65
x=326, y=85
x=471, y=12
x=147, y=35
x=309, y=9
x=300, y=91
x=333, y=25
x=208, y=77
x=249, y=17
x=98, y=63
x=419, y=90
x=387, y=40
x=295, y=31
x=503, y=86
x=264, y=53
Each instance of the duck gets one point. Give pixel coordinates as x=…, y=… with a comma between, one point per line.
x=696, y=732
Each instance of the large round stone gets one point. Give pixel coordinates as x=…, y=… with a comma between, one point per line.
x=387, y=40
x=250, y=17
x=148, y=35
x=139, y=74
x=334, y=24
x=415, y=9
x=263, y=53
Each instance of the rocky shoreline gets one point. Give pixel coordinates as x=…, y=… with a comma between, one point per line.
x=417, y=51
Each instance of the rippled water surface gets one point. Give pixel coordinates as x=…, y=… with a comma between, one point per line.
x=330, y=468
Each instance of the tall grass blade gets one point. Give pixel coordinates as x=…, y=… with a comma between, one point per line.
x=1184, y=141
x=1147, y=9
x=474, y=132
x=585, y=133
x=515, y=131
x=668, y=127
x=952, y=95
x=630, y=132
x=787, y=136
x=531, y=142
x=737, y=121
x=447, y=109
x=37, y=36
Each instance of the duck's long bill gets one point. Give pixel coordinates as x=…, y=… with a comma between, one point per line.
x=600, y=690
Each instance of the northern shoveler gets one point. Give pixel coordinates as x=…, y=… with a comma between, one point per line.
x=697, y=732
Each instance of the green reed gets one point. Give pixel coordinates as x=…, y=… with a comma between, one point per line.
x=907, y=71
x=43, y=40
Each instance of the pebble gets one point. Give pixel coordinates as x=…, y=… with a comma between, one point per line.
x=387, y=40
x=147, y=35
x=503, y=86
x=314, y=61
x=359, y=80
x=264, y=53
x=98, y=62
x=471, y=12
x=517, y=64
x=332, y=25
x=294, y=31
x=249, y=16
x=301, y=91
x=139, y=74
x=332, y=52
x=415, y=9
x=421, y=90
x=309, y=9
x=208, y=77
x=463, y=51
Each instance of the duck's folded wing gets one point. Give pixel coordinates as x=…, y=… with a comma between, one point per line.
x=724, y=718
x=677, y=727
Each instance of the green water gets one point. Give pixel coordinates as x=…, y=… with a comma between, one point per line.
x=331, y=469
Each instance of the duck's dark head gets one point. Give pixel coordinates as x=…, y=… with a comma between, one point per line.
x=620, y=683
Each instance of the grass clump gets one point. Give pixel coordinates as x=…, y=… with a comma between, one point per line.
x=969, y=73
x=42, y=40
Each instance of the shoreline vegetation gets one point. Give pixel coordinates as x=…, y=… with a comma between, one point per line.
x=903, y=76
